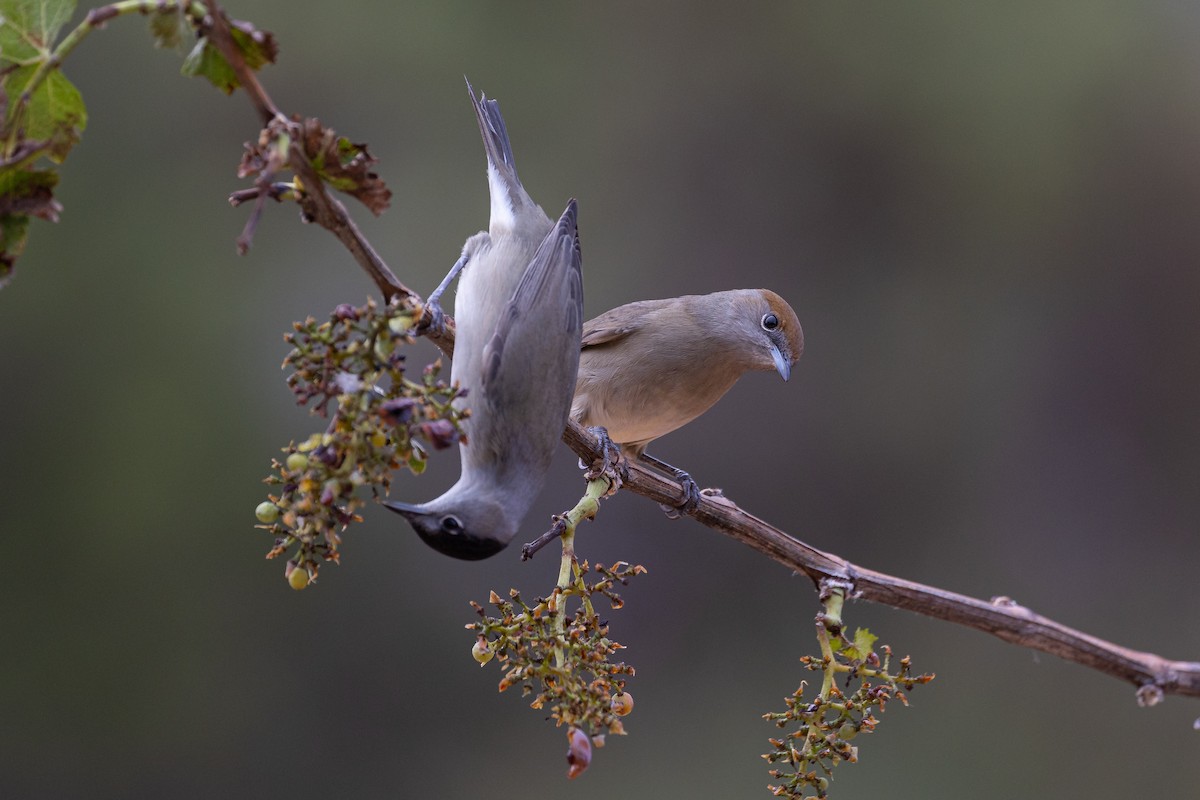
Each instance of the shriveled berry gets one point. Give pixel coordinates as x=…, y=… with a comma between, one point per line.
x=440, y=433
x=267, y=512
x=579, y=752
x=398, y=411
x=621, y=703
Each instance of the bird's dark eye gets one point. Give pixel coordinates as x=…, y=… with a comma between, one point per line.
x=770, y=322
x=451, y=524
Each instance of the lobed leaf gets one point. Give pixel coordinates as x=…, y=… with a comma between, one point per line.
x=864, y=644
x=345, y=165
x=24, y=193
x=54, y=114
x=28, y=28
x=258, y=48
x=28, y=192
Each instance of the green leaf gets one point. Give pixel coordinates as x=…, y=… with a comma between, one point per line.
x=257, y=47
x=55, y=113
x=345, y=166
x=206, y=62
x=28, y=28
x=864, y=644
x=28, y=191
x=23, y=193
x=13, y=230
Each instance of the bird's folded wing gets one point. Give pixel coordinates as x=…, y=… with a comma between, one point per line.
x=617, y=323
x=549, y=296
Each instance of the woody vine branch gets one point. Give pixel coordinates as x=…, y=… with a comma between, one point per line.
x=1154, y=675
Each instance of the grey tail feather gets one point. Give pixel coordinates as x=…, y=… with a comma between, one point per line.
x=568, y=226
x=495, y=141
x=569, y=216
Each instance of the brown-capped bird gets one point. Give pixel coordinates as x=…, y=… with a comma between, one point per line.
x=649, y=367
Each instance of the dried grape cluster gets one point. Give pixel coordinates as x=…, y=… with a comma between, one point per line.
x=562, y=657
x=350, y=370
x=825, y=725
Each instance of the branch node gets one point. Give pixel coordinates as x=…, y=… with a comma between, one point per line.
x=831, y=585
x=97, y=17
x=1149, y=694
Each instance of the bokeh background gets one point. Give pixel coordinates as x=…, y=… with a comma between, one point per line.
x=984, y=214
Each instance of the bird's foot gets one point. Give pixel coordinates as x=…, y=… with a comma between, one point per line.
x=433, y=320
x=691, y=496
x=691, y=491
x=609, y=465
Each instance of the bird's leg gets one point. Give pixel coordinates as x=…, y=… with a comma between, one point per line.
x=691, y=491
x=433, y=320
x=610, y=458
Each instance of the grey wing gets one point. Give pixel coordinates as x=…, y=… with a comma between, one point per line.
x=550, y=288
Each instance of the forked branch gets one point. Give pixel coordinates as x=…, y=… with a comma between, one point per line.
x=315, y=201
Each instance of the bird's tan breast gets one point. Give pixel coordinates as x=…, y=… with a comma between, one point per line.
x=641, y=398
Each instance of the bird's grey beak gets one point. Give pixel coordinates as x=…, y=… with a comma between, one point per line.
x=781, y=362
x=407, y=509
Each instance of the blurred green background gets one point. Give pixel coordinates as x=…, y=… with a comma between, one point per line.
x=985, y=215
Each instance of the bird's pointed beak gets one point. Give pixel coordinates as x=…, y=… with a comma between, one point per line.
x=407, y=509
x=781, y=362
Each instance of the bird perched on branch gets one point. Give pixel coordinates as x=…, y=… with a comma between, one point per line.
x=518, y=311
x=652, y=366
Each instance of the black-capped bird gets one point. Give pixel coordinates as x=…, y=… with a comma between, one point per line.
x=518, y=315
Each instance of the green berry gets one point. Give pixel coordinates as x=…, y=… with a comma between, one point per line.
x=267, y=512
x=482, y=653
x=384, y=347
x=297, y=462
x=401, y=324
x=297, y=577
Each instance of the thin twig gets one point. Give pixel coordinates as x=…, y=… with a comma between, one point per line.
x=529, y=549
x=317, y=204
